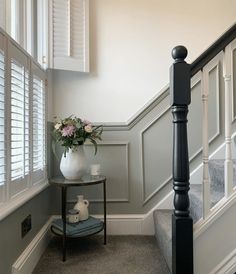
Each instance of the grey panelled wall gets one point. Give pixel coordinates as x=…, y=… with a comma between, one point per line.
x=11, y=243
x=136, y=157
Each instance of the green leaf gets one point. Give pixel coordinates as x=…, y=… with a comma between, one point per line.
x=97, y=127
x=95, y=145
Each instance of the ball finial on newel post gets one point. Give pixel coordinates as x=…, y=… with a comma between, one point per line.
x=179, y=53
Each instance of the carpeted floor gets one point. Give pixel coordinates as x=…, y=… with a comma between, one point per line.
x=121, y=255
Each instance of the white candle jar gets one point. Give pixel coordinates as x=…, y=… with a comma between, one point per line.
x=95, y=170
x=73, y=216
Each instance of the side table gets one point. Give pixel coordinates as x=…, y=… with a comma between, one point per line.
x=92, y=226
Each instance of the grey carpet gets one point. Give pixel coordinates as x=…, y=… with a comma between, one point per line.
x=121, y=255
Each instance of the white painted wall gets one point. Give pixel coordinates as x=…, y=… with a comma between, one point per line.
x=131, y=41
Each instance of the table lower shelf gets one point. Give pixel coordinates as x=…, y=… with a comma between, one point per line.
x=80, y=229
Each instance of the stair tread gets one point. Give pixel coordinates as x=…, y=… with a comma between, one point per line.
x=163, y=217
x=195, y=197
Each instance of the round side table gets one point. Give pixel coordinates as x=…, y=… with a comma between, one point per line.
x=61, y=227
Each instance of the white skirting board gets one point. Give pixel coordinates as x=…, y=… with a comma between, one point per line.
x=31, y=255
x=135, y=224
x=127, y=224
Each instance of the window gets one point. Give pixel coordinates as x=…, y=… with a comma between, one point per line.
x=42, y=32
x=2, y=14
x=54, y=32
x=18, y=18
x=16, y=23
x=22, y=122
x=22, y=23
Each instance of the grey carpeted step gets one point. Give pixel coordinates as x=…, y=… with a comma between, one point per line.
x=162, y=224
x=216, y=172
x=162, y=218
x=195, y=197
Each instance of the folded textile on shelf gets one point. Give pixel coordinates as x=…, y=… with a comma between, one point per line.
x=78, y=228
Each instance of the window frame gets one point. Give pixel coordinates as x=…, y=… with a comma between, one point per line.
x=42, y=33
x=11, y=200
x=3, y=48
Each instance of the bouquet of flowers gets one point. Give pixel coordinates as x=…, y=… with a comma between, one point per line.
x=72, y=132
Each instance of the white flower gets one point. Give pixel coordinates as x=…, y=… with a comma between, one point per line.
x=57, y=126
x=88, y=128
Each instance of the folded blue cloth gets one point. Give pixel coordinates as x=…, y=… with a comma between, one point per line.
x=81, y=234
x=77, y=228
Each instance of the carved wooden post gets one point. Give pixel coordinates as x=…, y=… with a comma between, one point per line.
x=182, y=224
x=205, y=146
x=228, y=166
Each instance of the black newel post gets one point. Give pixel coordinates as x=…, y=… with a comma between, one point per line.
x=182, y=223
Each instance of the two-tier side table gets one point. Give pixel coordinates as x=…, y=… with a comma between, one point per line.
x=92, y=226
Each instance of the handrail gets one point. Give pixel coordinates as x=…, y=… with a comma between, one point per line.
x=213, y=50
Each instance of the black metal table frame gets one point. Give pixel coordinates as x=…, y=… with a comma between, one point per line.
x=63, y=210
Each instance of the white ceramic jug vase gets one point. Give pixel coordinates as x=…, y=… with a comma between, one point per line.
x=82, y=206
x=73, y=165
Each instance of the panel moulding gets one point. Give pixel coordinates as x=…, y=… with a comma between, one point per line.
x=127, y=180
x=214, y=64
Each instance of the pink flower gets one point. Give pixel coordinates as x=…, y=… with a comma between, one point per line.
x=68, y=131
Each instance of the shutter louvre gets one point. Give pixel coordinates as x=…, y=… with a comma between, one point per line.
x=39, y=141
x=19, y=121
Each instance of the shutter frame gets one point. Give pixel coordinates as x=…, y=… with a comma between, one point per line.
x=13, y=192
x=3, y=170
x=20, y=183
x=39, y=174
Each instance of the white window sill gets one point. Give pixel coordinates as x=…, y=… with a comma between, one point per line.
x=10, y=206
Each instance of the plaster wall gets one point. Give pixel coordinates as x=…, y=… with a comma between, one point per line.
x=130, y=46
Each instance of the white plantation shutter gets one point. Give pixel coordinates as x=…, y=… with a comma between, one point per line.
x=69, y=35
x=2, y=118
x=39, y=129
x=19, y=171
x=2, y=123
x=22, y=123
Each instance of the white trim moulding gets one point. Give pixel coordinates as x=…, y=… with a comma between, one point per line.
x=10, y=206
x=29, y=258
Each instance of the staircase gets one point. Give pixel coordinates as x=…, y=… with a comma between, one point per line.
x=162, y=218
x=193, y=235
